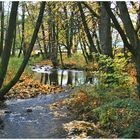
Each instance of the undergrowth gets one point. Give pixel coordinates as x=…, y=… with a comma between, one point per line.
x=111, y=103
x=14, y=64
x=77, y=61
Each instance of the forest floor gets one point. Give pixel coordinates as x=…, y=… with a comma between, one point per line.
x=112, y=114
x=27, y=87
x=103, y=111
x=74, y=62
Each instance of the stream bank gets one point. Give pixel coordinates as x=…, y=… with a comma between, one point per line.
x=33, y=118
x=23, y=116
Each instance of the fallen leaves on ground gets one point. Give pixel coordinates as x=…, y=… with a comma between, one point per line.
x=27, y=88
x=83, y=129
x=59, y=109
x=44, y=62
x=58, y=114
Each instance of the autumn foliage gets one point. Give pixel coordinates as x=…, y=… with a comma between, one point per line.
x=27, y=88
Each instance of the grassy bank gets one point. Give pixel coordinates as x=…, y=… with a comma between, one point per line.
x=76, y=61
x=13, y=67
x=114, y=111
x=110, y=108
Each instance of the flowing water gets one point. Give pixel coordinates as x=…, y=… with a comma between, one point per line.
x=63, y=77
x=32, y=118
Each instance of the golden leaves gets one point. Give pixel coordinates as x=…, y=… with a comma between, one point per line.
x=27, y=88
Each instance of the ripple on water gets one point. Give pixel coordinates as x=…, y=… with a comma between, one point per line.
x=39, y=123
x=63, y=77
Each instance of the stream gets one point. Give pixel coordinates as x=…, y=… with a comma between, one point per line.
x=32, y=118
x=63, y=77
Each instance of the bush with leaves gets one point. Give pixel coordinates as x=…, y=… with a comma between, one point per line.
x=113, y=71
x=112, y=103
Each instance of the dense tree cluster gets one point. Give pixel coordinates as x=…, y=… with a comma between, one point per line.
x=54, y=28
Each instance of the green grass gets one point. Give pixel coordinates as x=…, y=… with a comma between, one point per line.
x=15, y=63
x=77, y=61
x=115, y=110
x=13, y=66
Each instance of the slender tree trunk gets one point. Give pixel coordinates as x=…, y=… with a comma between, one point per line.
x=44, y=40
x=8, y=42
x=38, y=41
x=57, y=42
x=75, y=44
x=2, y=26
x=54, y=47
x=118, y=27
x=85, y=48
x=69, y=32
x=92, y=47
x=23, y=26
x=49, y=30
x=133, y=38
x=68, y=51
x=133, y=45
x=53, y=35
x=5, y=89
x=129, y=28
x=83, y=51
x=97, y=42
x=137, y=63
x=61, y=57
x=14, y=43
x=23, y=48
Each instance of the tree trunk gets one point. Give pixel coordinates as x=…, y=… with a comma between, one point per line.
x=92, y=47
x=138, y=75
x=6, y=88
x=68, y=52
x=49, y=30
x=133, y=38
x=67, y=33
x=8, y=42
x=129, y=28
x=38, y=41
x=118, y=28
x=23, y=20
x=44, y=40
x=83, y=51
x=14, y=43
x=97, y=42
x=61, y=57
x=54, y=47
x=134, y=42
x=105, y=32
x=2, y=26
x=53, y=36
x=71, y=34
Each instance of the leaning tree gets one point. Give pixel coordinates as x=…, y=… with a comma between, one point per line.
x=7, y=48
x=129, y=34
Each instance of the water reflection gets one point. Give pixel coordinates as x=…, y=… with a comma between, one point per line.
x=64, y=77
x=2, y=114
x=1, y=124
